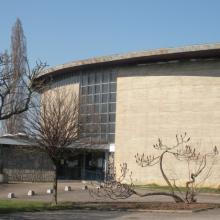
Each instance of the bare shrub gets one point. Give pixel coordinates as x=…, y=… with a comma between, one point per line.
x=196, y=164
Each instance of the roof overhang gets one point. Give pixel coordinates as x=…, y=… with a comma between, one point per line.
x=89, y=147
x=17, y=140
x=186, y=52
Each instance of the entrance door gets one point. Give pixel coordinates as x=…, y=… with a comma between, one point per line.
x=95, y=166
x=70, y=169
x=87, y=165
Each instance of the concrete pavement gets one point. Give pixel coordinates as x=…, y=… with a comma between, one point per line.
x=77, y=194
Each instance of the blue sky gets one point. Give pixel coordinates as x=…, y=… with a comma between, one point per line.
x=59, y=31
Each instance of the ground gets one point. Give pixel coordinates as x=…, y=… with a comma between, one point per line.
x=79, y=195
x=114, y=215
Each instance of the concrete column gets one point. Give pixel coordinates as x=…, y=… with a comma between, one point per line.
x=1, y=158
x=106, y=163
x=83, y=168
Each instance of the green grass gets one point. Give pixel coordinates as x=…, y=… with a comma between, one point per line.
x=157, y=187
x=9, y=206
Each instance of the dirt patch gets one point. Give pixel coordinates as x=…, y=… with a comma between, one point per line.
x=145, y=206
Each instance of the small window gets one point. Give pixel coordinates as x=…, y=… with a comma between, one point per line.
x=96, y=109
x=90, y=90
x=111, y=138
x=97, y=99
x=112, y=87
x=89, y=109
x=104, y=88
x=98, y=128
x=112, y=117
x=89, y=119
x=84, y=90
x=98, y=78
x=95, y=138
x=85, y=79
x=112, y=107
x=104, y=108
x=97, y=89
x=112, y=97
x=103, y=138
x=89, y=99
x=83, y=99
x=105, y=77
x=104, y=118
x=104, y=98
x=95, y=118
x=113, y=77
x=83, y=109
x=91, y=78
x=112, y=128
x=103, y=128
x=83, y=119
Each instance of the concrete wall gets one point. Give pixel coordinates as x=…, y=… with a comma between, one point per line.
x=69, y=91
x=161, y=100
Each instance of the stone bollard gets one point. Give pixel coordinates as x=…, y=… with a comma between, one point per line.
x=11, y=195
x=85, y=187
x=2, y=178
x=49, y=191
x=67, y=188
x=31, y=193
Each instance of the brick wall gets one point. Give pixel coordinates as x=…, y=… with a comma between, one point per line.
x=25, y=164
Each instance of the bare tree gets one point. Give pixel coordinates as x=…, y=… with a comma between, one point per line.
x=54, y=126
x=18, y=63
x=115, y=188
x=10, y=87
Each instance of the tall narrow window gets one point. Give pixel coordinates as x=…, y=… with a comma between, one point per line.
x=99, y=91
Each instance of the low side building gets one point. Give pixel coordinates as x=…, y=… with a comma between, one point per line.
x=22, y=161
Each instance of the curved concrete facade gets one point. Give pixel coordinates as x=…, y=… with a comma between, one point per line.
x=162, y=100
x=159, y=93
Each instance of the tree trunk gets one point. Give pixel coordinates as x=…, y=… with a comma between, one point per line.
x=176, y=198
x=55, y=186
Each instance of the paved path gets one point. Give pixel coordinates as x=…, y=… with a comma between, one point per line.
x=77, y=194
x=101, y=215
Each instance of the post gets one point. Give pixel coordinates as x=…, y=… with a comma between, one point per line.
x=83, y=168
x=55, y=185
x=106, y=164
x=1, y=159
x=1, y=165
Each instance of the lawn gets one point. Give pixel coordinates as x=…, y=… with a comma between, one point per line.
x=9, y=206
